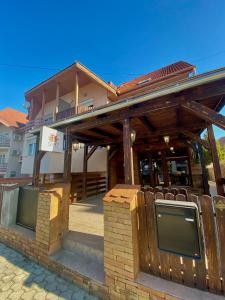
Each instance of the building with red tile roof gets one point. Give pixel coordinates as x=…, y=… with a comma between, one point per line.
x=12, y=118
x=11, y=141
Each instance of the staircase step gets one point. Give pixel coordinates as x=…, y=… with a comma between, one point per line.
x=84, y=244
x=89, y=267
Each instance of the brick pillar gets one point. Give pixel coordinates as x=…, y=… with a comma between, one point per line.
x=53, y=215
x=121, y=257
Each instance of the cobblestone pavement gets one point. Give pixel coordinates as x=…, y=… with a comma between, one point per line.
x=21, y=278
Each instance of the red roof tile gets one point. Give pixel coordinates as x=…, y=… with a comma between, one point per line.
x=12, y=118
x=156, y=76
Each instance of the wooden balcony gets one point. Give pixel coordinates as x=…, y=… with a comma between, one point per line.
x=62, y=115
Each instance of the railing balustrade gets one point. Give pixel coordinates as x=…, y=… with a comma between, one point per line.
x=3, y=167
x=4, y=141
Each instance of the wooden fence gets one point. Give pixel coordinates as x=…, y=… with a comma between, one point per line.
x=96, y=184
x=208, y=273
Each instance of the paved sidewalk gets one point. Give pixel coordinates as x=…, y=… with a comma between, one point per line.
x=21, y=278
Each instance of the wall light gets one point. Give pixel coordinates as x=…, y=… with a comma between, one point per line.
x=76, y=146
x=166, y=139
x=133, y=136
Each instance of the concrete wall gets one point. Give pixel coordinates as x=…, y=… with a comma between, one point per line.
x=54, y=162
x=9, y=206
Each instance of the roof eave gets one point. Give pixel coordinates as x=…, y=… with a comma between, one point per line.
x=77, y=65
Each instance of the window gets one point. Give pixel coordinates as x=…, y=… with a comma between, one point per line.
x=31, y=149
x=63, y=105
x=12, y=174
x=2, y=158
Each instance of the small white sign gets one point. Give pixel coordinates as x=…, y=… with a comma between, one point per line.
x=51, y=140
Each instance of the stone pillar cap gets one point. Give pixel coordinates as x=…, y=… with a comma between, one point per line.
x=122, y=193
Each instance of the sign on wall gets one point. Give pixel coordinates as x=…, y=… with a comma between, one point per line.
x=51, y=140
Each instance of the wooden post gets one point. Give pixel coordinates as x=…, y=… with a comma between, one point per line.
x=165, y=168
x=37, y=164
x=189, y=168
x=31, y=109
x=57, y=100
x=216, y=162
x=85, y=167
x=108, y=169
x=43, y=105
x=67, y=157
x=128, y=152
x=204, y=170
x=76, y=93
x=151, y=178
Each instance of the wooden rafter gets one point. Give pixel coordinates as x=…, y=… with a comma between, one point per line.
x=102, y=132
x=117, y=126
x=91, y=151
x=194, y=137
x=148, y=125
x=204, y=113
x=118, y=116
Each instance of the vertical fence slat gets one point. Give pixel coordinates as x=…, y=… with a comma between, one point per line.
x=142, y=234
x=219, y=202
x=200, y=265
x=152, y=239
x=210, y=243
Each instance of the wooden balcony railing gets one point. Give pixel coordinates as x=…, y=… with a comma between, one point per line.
x=62, y=115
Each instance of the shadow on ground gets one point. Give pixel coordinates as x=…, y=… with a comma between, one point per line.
x=21, y=278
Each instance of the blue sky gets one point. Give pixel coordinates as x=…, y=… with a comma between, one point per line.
x=118, y=40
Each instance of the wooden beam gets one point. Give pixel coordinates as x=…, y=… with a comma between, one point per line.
x=37, y=166
x=145, y=121
x=76, y=93
x=112, y=154
x=85, y=168
x=204, y=170
x=194, y=137
x=117, y=126
x=31, y=110
x=103, y=133
x=216, y=162
x=91, y=152
x=120, y=115
x=57, y=100
x=67, y=157
x=128, y=152
x=205, y=113
x=43, y=104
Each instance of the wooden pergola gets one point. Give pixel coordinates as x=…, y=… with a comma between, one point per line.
x=181, y=115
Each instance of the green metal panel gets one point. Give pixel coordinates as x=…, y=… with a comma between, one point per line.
x=178, y=228
x=27, y=206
